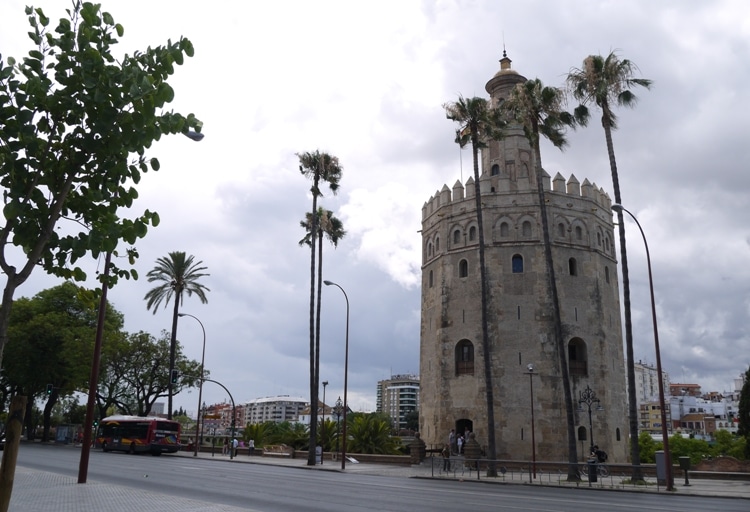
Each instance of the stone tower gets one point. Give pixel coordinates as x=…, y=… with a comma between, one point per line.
x=521, y=330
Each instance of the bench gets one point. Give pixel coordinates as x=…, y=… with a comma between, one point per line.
x=280, y=450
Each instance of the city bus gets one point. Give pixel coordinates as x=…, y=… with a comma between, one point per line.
x=138, y=434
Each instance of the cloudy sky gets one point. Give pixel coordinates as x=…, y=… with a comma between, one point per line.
x=365, y=81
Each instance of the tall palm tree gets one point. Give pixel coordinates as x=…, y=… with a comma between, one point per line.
x=604, y=82
x=539, y=110
x=480, y=122
x=318, y=167
x=328, y=227
x=178, y=275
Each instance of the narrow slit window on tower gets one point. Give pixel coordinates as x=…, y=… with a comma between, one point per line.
x=573, y=267
x=517, y=264
x=463, y=268
x=437, y=245
x=472, y=233
x=431, y=279
x=561, y=230
x=606, y=274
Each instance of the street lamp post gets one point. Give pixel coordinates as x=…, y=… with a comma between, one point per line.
x=200, y=385
x=588, y=397
x=203, y=420
x=337, y=411
x=664, y=432
x=530, y=373
x=346, y=370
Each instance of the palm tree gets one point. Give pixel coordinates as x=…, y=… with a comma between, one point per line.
x=318, y=167
x=178, y=275
x=539, y=110
x=480, y=122
x=332, y=228
x=605, y=81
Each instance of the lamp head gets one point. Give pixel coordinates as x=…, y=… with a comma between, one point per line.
x=617, y=207
x=530, y=367
x=327, y=283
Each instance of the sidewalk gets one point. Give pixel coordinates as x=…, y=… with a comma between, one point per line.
x=41, y=491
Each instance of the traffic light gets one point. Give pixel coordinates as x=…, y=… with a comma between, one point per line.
x=49, y=389
x=175, y=375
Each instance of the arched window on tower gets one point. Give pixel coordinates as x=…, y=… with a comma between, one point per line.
x=464, y=358
x=472, y=233
x=579, y=233
x=429, y=250
x=504, y=230
x=456, y=236
x=577, y=358
x=526, y=229
x=517, y=264
x=582, y=434
x=463, y=268
x=573, y=267
x=437, y=245
x=495, y=170
x=561, y=230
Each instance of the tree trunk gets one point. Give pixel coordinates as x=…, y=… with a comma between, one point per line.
x=556, y=319
x=13, y=431
x=635, y=451
x=313, y=357
x=173, y=347
x=487, y=354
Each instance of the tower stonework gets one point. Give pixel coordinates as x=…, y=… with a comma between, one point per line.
x=452, y=379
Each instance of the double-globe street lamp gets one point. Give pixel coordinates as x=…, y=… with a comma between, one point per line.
x=664, y=433
x=346, y=369
x=200, y=385
x=589, y=398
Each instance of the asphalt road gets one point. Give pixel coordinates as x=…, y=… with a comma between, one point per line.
x=279, y=489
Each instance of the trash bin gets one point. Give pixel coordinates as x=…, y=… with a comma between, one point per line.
x=661, y=467
x=685, y=467
x=318, y=455
x=592, y=470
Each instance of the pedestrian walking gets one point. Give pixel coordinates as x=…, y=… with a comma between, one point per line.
x=446, y=453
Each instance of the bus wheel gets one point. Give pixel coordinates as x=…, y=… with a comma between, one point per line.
x=104, y=447
x=156, y=453
x=132, y=449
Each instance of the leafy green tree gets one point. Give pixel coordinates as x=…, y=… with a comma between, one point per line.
x=648, y=448
x=696, y=449
x=480, y=122
x=52, y=340
x=318, y=167
x=371, y=433
x=605, y=82
x=137, y=374
x=178, y=275
x=76, y=123
x=539, y=111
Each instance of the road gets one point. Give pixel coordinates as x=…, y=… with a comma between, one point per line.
x=276, y=488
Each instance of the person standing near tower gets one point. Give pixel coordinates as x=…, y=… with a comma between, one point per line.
x=452, y=441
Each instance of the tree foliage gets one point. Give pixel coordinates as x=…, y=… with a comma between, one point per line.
x=75, y=123
x=137, y=374
x=371, y=433
x=51, y=343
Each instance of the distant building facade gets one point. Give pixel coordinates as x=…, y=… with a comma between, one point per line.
x=647, y=383
x=398, y=397
x=453, y=392
x=276, y=409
